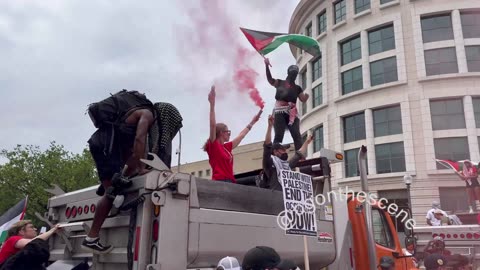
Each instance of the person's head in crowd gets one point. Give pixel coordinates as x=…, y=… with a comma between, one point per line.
x=387, y=263
x=23, y=228
x=286, y=265
x=228, y=263
x=434, y=261
x=435, y=205
x=438, y=214
x=265, y=258
x=280, y=150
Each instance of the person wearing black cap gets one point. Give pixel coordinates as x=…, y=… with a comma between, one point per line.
x=387, y=263
x=285, y=107
x=265, y=258
x=275, y=158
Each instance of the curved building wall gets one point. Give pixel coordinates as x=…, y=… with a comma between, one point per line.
x=401, y=77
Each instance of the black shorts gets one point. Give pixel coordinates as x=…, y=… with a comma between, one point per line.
x=109, y=163
x=473, y=184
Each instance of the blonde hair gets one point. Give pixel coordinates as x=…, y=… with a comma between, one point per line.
x=17, y=227
x=219, y=127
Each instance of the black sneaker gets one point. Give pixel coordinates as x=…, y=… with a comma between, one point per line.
x=95, y=247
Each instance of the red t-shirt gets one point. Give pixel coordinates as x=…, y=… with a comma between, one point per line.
x=8, y=248
x=221, y=160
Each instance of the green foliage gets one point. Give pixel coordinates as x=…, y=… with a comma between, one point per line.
x=29, y=171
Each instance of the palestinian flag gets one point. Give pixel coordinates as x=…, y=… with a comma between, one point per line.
x=265, y=42
x=12, y=215
x=449, y=164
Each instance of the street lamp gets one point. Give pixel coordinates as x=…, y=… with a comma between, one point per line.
x=407, y=179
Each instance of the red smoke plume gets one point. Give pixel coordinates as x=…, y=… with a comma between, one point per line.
x=213, y=42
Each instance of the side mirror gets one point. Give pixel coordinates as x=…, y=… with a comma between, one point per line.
x=411, y=244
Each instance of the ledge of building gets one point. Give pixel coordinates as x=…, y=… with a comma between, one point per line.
x=376, y=176
x=312, y=112
x=370, y=89
x=387, y=5
x=363, y=13
x=339, y=24
x=449, y=76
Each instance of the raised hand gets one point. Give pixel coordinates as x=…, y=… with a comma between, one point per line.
x=211, y=95
x=257, y=117
x=271, y=119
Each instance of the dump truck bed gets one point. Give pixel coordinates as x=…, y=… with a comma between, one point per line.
x=192, y=225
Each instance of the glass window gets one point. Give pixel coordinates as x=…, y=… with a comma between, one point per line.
x=322, y=22
x=436, y=28
x=361, y=5
x=476, y=110
x=308, y=30
x=471, y=24
x=304, y=108
x=207, y=172
x=473, y=58
x=381, y=231
x=381, y=40
x=317, y=96
x=304, y=138
x=192, y=173
x=316, y=69
x=351, y=50
x=453, y=199
x=383, y=71
x=317, y=139
x=303, y=77
x=390, y=157
x=352, y=80
x=351, y=166
x=441, y=61
x=200, y=173
x=455, y=149
x=340, y=11
x=354, y=127
x=387, y=121
x=385, y=1
x=447, y=114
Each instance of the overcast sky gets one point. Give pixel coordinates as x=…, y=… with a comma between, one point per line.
x=59, y=56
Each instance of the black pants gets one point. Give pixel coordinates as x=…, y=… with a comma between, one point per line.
x=281, y=123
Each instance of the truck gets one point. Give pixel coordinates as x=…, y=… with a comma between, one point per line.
x=171, y=221
x=458, y=239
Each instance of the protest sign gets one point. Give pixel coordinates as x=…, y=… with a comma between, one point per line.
x=299, y=203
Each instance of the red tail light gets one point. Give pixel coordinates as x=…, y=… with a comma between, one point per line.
x=469, y=236
x=80, y=210
x=462, y=235
x=68, y=212
x=85, y=209
x=92, y=208
x=455, y=235
x=155, y=231
x=434, y=235
x=476, y=235
x=74, y=212
x=442, y=235
x=448, y=236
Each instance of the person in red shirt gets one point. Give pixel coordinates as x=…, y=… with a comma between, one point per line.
x=219, y=147
x=19, y=235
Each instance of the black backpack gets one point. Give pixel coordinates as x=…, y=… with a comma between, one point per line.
x=114, y=109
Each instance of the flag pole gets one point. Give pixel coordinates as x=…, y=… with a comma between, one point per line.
x=305, y=253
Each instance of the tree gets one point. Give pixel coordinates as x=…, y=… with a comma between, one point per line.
x=29, y=171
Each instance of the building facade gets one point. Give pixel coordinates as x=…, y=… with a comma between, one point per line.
x=401, y=77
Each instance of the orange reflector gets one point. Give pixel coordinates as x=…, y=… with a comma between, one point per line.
x=156, y=210
x=339, y=156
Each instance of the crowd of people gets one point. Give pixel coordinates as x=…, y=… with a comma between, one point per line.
x=258, y=258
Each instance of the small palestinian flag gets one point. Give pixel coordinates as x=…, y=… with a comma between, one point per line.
x=12, y=215
x=265, y=42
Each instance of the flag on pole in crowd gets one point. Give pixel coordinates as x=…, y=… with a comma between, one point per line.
x=266, y=42
x=14, y=214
